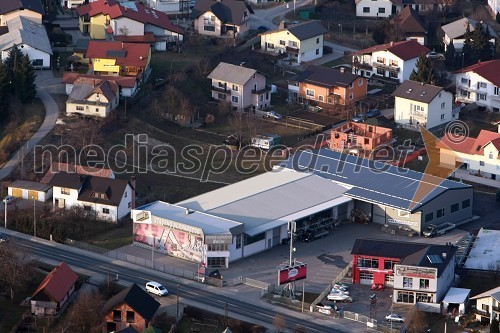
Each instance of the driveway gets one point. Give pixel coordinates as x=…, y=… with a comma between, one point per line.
x=265, y=17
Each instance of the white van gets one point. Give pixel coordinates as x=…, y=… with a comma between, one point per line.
x=156, y=288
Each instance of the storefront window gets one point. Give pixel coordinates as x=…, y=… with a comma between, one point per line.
x=216, y=261
x=389, y=264
x=424, y=297
x=367, y=263
x=406, y=297
x=424, y=284
x=407, y=282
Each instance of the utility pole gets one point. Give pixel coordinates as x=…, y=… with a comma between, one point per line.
x=225, y=314
x=34, y=216
x=177, y=309
x=5, y=213
x=153, y=254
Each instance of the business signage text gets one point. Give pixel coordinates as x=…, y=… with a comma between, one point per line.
x=218, y=239
x=418, y=272
x=293, y=273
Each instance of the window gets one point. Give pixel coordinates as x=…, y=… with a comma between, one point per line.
x=406, y=297
x=482, y=85
x=454, y=208
x=367, y=263
x=309, y=93
x=442, y=116
x=490, y=155
x=440, y=213
x=282, y=42
x=130, y=205
x=294, y=44
x=360, y=82
x=393, y=63
x=317, y=51
x=105, y=211
x=389, y=264
x=130, y=317
x=221, y=96
x=381, y=10
x=464, y=93
x=37, y=62
x=366, y=9
x=485, y=307
x=216, y=261
x=247, y=240
x=238, y=241
x=261, y=97
x=380, y=71
x=424, y=297
x=270, y=45
x=366, y=275
x=321, y=98
x=79, y=108
x=381, y=60
x=234, y=99
x=351, y=96
x=65, y=190
x=496, y=90
x=317, y=40
x=217, y=247
x=235, y=87
x=407, y=282
x=429, y=217
x=117, y=315
x=465, y=203
x=443, y=105
x=424, y=283
x=481, y=163
x=351, y=85
x=481, y=97
x=87, y=208
x=125, y=195
x=464, y=81
x=394, y=75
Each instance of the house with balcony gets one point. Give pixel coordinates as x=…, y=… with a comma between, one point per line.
x=104, y=19
x=94, y=98
x=418, y=104
x=409, y=25
x=487, y=305
x=30, y=9
x=300, y=42
x=480, y=84
x=454, y=32
x=244, y=88
x=377, y=8
x=221, y=18
x=128, y=85
x=119, y=59
x=359, y=138
x=389, y=63
x=477, y=156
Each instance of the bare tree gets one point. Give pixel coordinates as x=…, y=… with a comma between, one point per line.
x=243, y=125
x=86, y=314
x=15, y=267
x=156, y=107
x=203, y=67
x=223, y=108
x=84, y=132
x=123, y=31
x=279, y=323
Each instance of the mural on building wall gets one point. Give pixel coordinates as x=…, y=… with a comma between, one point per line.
x=171, y=241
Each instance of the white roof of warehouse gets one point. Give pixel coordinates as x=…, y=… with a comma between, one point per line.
x=456, y=295
x=270, y=200
x=486, y=250
x=25, y=31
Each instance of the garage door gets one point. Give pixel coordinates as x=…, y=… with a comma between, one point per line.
x=378, y=214
x=33, y=194
x=17, y=192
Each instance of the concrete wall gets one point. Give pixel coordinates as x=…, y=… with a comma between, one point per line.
x=96, y=28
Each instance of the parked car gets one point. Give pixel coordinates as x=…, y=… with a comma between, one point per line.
x=359, y=118
x=4, y=238
x=373, y=113
x=274, y=115
x=156, y=288
x=395, y=318
x=435, y=55
x=215, y=274
x=339, y=298
x=8, y=199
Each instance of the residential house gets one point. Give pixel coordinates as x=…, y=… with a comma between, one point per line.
x=359, y=138
x=30, y=37
x=56, y=167
x=478, y=156
x=392, y=62
x=30, y=190
x=131, y=307
x=109, y=199
x=417, y=272
x=409, y=25
x=454, y=32
x=54, y=291
x=329, y=86
x=487, y=305
x=300, y=42
x=170, y=7
x=128, y=84
x=221, y=18
x=243, y=87
x=480, y=84
x=427, y=6
x=103, y=19
x=377, y=8
x=80, y=50
x=423, y=104
x=71, y=4
x=31, y=9
x=121, y=59
x=494, y=6
x=90, y=97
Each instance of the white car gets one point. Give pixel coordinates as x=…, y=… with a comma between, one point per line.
x=435, y=55
x=8, y=199
x=339, y=297
x=395, y=318
x=156, y=288
x=274, y=115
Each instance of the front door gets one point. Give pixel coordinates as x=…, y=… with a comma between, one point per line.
x=62, y=203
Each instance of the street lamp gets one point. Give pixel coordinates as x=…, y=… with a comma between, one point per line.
x=340, y=32
x=177, y=311
x=34, y=216
x=5, y=213
x=392, y=303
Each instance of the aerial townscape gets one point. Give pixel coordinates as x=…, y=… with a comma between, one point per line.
x=250, y=166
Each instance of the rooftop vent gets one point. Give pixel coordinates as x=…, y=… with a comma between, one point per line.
x=409, y=90
x=443, y=255
x=422, y=93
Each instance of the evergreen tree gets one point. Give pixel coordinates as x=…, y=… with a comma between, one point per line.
x=498, y=17
x=424, y=72
x=379, y=33
x=12, y=61
x=477, y=45
x=25, y=88
x=494, y=326
x=449, y=55
x=4, y=91
x=467, y=48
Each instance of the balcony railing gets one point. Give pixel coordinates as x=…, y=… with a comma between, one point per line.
x=387, y=67
x=481, y=312
x=290, y=49
x=496, y=308
x=418, y=114
x=267, y=88
x=221, y=89
x=362, y=65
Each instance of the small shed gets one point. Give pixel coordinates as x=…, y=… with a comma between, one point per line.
x=456, y=301
x=27, y=189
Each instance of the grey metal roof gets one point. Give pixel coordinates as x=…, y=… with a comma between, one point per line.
x=269, y=200
x=29, y=185
x=25, y=31
x=307, y=30
x=373, y=181
x=232, y=73
x=458, y=28
x=7, y=6
x=417, y=91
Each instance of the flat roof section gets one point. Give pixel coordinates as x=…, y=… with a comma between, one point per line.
x=486, y=251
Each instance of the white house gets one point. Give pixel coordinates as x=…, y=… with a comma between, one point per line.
x=423, y=104
x=128, y=84
x=90, y=97
x=494, y=6
x=300, y=42
x=480, y=84
x=391, y=62
x=26, y=189
x=70, y=4
x=169, y=6
x=30, y=37
x=377, y=8
x=243, y=87
x=488, y=305
x=31, y=9
x=454, y=32
x=109, y=199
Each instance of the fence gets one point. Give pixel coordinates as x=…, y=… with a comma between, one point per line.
x=326, y=291
x=264, y=287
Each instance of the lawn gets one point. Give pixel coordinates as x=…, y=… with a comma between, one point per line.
x=105, y=235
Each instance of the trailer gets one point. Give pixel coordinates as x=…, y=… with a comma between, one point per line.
x=436, y=230
x=265, y=141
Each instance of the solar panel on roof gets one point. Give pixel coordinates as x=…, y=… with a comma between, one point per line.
x=434, y=259
x=116, y=53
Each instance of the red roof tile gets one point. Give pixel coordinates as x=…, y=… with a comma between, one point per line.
x=57, y=284
x=134, y=54
x=122, y=81
x=483, y=138
x=409, y=21
x=488, y=70
x=468, y=145
x=404, y=50
x=56, y=167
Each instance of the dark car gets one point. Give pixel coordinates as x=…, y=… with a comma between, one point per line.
x=215, y=274
x=373, y=113
x=4, y=238
x=359, y=118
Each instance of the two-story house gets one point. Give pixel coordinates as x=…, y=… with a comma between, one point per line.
x=409, y=25
x=31, y=9
x=390, y=62
x=244, y=88
x=221, y=18
x=118, y=58
x=95, y=98
x=377, y=8
x=103, y=19
x=31, y=39
x=128, y=85
x=108, y=199
x=454, y=32
x=170, y=6
x=487, y=305
x=418, y=272
x=480, y=84
x=300, y=42
x=131, y=307
x=422, y=104
x=56, y=167
x=359, y=138
x=478, y=156
x=329, y=86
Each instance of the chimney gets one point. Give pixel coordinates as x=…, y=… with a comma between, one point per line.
x=282, y=25
x=392, y=43
x=122, y=46
x=444, y=255
x=133, y=184
x=342, y=69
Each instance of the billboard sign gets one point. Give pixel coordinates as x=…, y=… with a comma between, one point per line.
x=219, y=239
x=418, y=272
x=293, y=273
